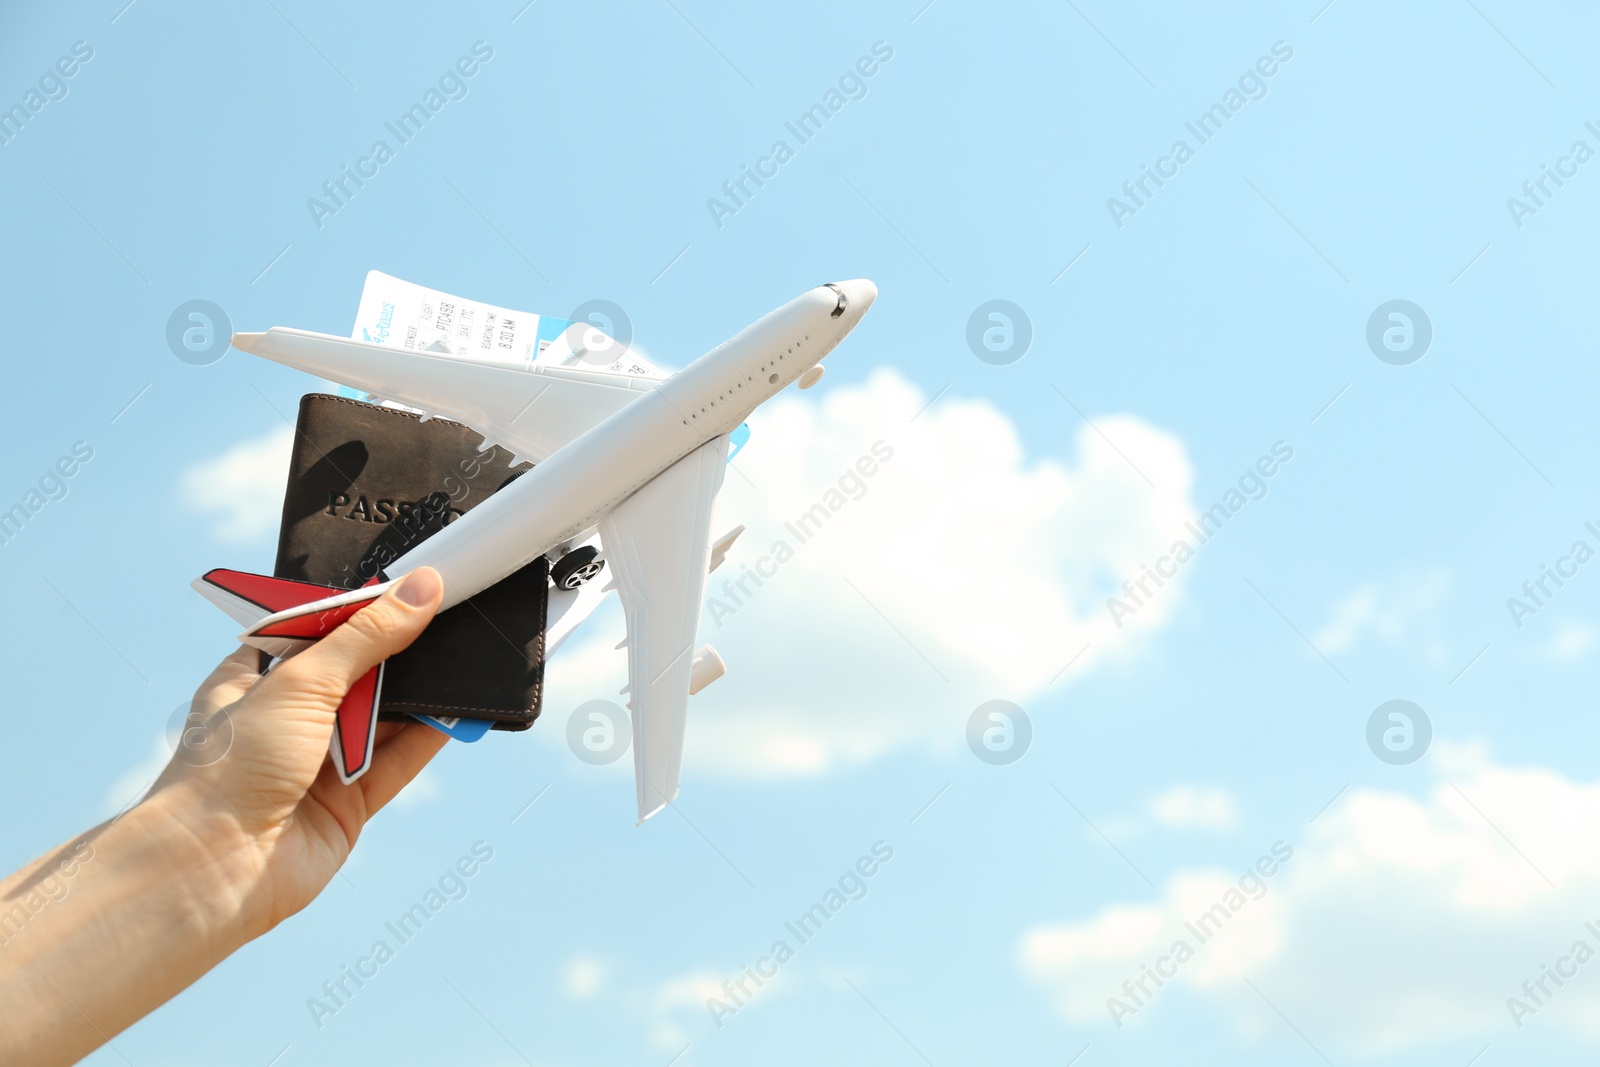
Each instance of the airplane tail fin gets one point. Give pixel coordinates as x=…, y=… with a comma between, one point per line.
x=356, y=727
x=282, y=617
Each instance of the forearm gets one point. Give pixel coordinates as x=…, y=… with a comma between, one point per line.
x=113, y=924
x=100, y=932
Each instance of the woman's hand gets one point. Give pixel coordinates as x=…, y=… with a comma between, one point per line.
x=103, y=930
x=272, y=809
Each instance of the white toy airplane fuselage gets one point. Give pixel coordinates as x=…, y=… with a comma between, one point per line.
x=640, y=458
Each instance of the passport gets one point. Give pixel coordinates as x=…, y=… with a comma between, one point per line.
x=366, y=484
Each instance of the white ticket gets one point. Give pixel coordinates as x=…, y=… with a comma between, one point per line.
x=406, y=315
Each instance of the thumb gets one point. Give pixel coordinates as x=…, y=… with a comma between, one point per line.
x=328, y=669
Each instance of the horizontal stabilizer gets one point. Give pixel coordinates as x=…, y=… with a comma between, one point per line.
x=248, y=598
x=314, y=620
x=719, y=547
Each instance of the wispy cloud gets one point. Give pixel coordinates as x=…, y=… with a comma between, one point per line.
x=241, y=490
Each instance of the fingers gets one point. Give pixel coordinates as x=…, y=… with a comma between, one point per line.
x=327, y=670
x=396, y=761
x=229, y=680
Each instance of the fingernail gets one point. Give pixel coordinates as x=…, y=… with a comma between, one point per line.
x=419, y=587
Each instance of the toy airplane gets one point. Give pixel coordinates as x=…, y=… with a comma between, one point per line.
x=638, y=458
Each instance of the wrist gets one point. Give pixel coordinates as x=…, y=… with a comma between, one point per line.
x=221, y=863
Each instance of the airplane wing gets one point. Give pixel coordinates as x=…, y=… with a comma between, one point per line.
x=529, y=408
x=657, y=543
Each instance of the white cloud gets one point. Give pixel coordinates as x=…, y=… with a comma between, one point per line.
x=241, y=490
x=679, y=1011
x=1389, y=612
x=689, y=990
x=1186, y=806
x=677, y=1008
x=1573, y=641
x=1398, y=920
x=960, y=571
x=583, y=977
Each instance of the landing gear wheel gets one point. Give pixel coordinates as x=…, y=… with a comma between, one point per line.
x=576, y=567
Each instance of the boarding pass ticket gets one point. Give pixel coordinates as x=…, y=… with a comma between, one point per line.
x=405, y=315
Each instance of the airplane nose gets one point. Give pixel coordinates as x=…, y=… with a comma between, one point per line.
x=862, y=293
x=855, y=297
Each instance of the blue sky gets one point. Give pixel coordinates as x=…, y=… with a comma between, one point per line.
x=1169, y=354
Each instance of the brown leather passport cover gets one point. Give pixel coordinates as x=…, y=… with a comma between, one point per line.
x=366, y=484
